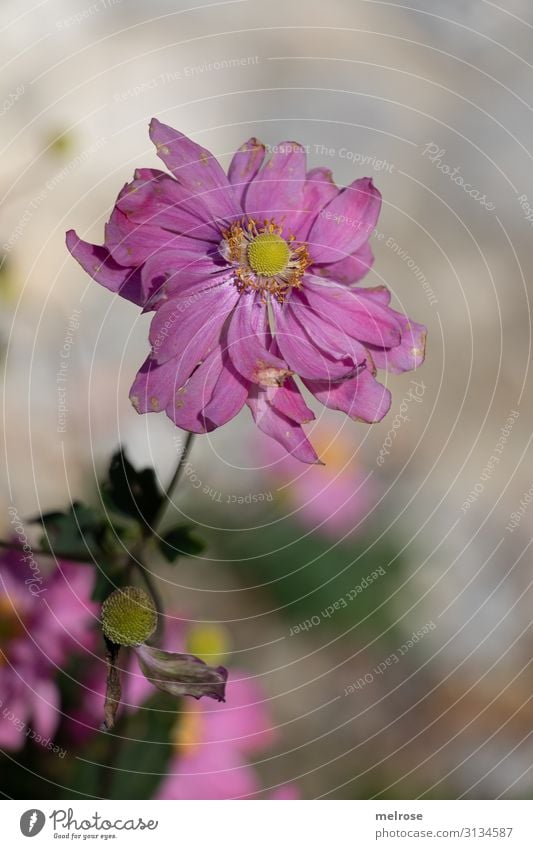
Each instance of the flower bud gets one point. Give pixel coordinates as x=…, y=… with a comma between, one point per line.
x=129, y=617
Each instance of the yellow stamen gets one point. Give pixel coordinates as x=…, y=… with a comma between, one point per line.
x=264, y=260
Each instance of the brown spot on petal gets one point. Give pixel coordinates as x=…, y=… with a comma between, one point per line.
x=154, y=403
x=204, y=158
x=135, y=401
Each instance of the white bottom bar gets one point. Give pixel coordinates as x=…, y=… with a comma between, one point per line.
x=262, y=825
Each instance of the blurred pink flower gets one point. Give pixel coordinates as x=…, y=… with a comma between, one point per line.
x=332, y=498
x=42, y=626
x=213, y=745
x=247, y=275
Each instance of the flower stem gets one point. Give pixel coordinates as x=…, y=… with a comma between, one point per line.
x=136, y=559
x=150, y=531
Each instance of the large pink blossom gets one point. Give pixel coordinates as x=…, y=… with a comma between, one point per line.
x=40, y=631
x=250, y=276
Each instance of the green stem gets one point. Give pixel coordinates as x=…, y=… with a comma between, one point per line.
x=136, y=560
x=151, y=530
x=135, y=557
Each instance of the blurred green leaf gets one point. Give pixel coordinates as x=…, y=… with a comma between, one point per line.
x=180, y=540
x=76, y=532
x=145, y=757
x=131, y=492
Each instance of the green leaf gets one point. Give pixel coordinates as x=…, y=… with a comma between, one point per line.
x=180, y=540
x=76, y=532
x=134, y=493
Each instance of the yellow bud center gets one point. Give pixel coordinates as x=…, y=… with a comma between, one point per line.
x=268, y=254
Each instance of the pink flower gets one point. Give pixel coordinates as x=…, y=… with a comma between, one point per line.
x=333, y=498
x=247, y=276
x=39, y=631
x=213, y=745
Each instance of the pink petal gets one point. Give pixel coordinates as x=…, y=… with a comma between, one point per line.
x=319, y=189
x=360, y=397
x=300, y=351
x=346, y=223
x=244, y=721
x=409, y=354
x=187, y=328
x=244, y=166
x=45, y=704
x=331, y=340
x=98, y=262
x=176, y=272
x=196, y=169
x=278, y=188
x=132, y=244
x=351, y=269
x=228, y=396
x=166, y=203
x=154, y=386
x=249, y=341
x=380, y=294
x=360, y=317
x=212, y=772
x=288, y=433
x=287, y=399
x=288, y=792
x=214, y=395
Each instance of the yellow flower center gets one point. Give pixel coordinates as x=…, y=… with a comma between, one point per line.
x=264, y=261
x=188, y=731
x=268, y=254
x=210, y=642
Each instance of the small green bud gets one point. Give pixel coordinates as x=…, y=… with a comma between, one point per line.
x=129, y=617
